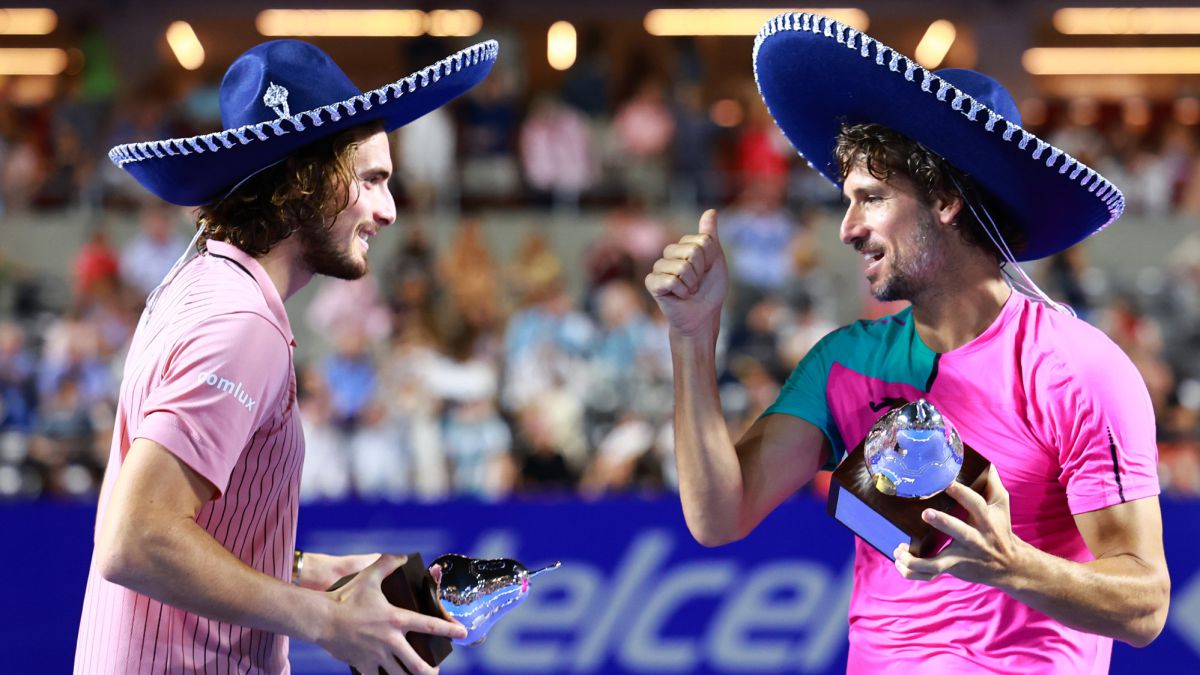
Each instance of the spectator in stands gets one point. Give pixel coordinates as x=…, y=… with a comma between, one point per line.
x=148, y=256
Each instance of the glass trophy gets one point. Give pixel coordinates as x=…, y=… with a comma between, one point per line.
x=903, y=466
x=475, y=592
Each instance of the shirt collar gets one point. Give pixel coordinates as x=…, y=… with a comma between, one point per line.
x=256, y=270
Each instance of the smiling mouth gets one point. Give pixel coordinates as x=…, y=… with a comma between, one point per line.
x=363, y=237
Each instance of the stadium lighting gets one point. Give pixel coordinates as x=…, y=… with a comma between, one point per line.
x=935, y=44
x=27, y=21
x=1112, y=60
x=32, y=61
x=561, y=45
x=728, y=21
x=453, y=22
x=340, y=22
x=185, y=45
x=1127, y=20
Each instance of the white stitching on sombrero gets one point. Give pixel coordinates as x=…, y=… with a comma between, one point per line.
x=1115, y=201
x=1041, y=147
x=976, y=106
x=144, y=150
x=910, y=69
x=959, y=97
x=841, y=34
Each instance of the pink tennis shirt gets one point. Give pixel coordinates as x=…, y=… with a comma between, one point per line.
x=210, y=377
x=1065, y=418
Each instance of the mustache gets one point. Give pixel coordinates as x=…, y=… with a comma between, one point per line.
x=862, y=245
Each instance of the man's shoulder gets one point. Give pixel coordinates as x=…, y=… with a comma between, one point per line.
x=866, y=334
x=1068, y=339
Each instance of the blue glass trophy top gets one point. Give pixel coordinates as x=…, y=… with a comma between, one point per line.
x=913, y=451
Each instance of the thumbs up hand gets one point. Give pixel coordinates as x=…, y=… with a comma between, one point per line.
x=690, y=280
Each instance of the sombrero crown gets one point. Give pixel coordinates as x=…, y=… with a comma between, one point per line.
x=280, y=96
x=815, y=74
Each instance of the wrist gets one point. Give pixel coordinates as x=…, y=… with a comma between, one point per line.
x=703, y=336
x=1021, y=571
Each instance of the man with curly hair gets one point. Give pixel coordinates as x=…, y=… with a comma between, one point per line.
x=944, y=193
x=196, y=525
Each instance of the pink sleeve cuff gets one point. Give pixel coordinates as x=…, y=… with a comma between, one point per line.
x=166, y=429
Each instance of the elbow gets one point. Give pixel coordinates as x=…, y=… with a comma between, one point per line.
x=711, y=536
x=114, y=562
x=712, y=539
x=121, y=556
x=1149, y=626
x=1145, y=633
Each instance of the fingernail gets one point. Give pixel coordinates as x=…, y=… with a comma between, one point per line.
x=929, y=515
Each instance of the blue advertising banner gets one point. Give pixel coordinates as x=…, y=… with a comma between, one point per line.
x=635, y=593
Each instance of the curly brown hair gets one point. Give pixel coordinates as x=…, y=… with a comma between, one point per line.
x=310, y=186
x=886, y=153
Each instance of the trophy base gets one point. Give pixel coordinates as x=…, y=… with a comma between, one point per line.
x=412, y=587
x=886, y=521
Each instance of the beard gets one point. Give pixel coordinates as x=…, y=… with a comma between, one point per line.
x=912, y=266
x=322, y=254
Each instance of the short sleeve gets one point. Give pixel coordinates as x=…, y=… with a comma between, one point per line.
x=1104, y=422
x=220, y=383
x=804, y=395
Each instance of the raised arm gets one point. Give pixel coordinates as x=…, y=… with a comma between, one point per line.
x=726, y=490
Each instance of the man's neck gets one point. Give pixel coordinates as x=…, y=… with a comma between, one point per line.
x=284, y=265
x=960, y=311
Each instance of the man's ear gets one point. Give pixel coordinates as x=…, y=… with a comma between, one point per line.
x=947, y=207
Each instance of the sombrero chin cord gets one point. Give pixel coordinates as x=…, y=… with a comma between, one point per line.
x=1018, y=280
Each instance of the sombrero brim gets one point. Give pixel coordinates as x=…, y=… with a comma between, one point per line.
x=815, y=73
x=200, y=169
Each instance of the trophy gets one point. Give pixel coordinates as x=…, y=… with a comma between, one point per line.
x=902, y=467
x=474, y=592
x=477, y=593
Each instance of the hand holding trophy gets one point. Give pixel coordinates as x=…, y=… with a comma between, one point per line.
x=902, y=467
x=474, y=592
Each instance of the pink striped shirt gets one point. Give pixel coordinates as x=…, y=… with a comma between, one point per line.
x=210, y=377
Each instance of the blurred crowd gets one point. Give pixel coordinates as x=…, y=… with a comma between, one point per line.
x=453, y=372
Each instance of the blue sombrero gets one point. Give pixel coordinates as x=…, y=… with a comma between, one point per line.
x=278, y=97
x=815, y=73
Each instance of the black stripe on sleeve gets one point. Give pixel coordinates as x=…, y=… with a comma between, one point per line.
x=1112, y=447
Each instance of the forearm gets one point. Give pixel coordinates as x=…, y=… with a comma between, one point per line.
x=319, y=571
x=710, y=476
x=176, y=562
x=1122, y=597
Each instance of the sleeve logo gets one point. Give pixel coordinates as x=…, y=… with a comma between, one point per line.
x=230, y=387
